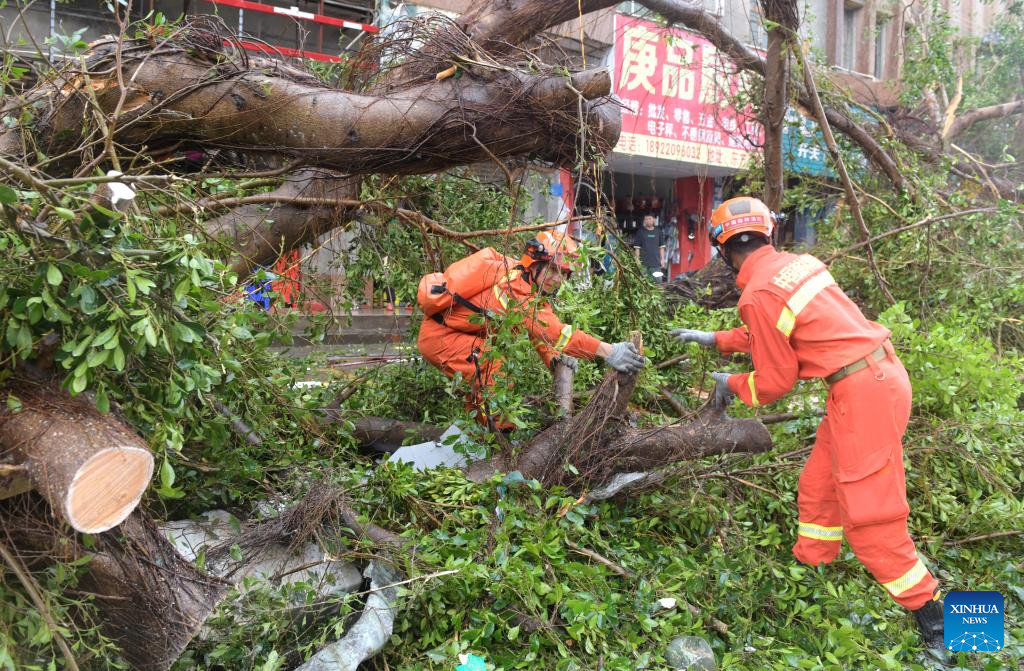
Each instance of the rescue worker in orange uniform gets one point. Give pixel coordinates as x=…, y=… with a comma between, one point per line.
x=457, y=340
x=800, y=325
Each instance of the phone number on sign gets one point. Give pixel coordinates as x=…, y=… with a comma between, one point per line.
x=670, y=149
x=689, y=151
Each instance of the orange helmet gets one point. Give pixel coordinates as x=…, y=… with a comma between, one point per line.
x=740, y=215
x=551, y=246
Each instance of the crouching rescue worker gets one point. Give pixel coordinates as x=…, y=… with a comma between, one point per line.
x=800, y=325
x=460, y=303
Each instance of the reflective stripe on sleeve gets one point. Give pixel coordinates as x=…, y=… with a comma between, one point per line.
x=799, y=300
x=753, y=390
x=787, y=320
x=916, y=574
x=500, y=294
x=811, y=288
x=818, y=532
x=563, y=339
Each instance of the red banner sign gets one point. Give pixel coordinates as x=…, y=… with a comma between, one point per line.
x=678, y=91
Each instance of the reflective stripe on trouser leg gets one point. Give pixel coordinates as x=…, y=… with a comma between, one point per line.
x=869, y=414
x=819, y=534
x=908, y=580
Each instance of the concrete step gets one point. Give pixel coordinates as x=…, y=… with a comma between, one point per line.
x=368, y=327
x=357, y=337
x=387, y=321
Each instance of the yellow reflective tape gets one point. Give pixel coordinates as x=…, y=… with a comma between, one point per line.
x=501, y=296
x=753, y=390
x=811, y=288
x=916, y=574
x=819, y=532
x=563, y=339
x=787, y=320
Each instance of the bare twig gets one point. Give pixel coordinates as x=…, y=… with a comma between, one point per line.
x=238, y=425
x=983, y=537
x=910, y=227
x=30, y=586
x=667, y=363
x=844, y=176
x=600, y=559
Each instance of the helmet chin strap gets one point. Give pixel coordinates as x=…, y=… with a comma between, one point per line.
x=728, y=260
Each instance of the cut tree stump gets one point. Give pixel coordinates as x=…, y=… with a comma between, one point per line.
x=89, y=466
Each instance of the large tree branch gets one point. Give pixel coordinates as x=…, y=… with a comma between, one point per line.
x=175, y=95
x=965, y=121
x=261, y=234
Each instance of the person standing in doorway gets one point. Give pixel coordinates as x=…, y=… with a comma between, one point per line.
x=649, y=247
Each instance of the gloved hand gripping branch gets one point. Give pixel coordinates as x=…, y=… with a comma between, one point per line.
x=624, y=358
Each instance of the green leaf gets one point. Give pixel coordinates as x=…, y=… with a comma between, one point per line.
x=64, y=213
x=24, y=340
x=98, y=358
x=8, y=195
x=78, y=384
x=104, y=336
x=13, y=403
x=167, y=476
x=53, y=275
x=102, y=401
x=150, y=334
x=273, y=662
x=118, y=358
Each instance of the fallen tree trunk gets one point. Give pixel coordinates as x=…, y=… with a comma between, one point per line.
x=594, y=446
x=90, y=467
x=383, y=434
x=150, y=601
x=189, y=88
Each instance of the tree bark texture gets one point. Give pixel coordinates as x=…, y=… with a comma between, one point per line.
x=173, y=94
x=598, y=444
x=563, y=377
x=257, y=234
x=782, y=21
x=150, y=601
x=91, y=468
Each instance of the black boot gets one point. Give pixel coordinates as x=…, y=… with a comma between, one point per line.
x=929, y=619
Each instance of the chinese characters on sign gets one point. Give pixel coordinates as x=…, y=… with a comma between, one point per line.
x=803, y=146
x=676, y=88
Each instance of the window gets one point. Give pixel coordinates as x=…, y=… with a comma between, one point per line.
x=849, y=54
x=758, y=33
x=881, y=26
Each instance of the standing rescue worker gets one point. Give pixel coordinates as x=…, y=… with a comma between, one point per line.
x=455, y=340
x=800, y=325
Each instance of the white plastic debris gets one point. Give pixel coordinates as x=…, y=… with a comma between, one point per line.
x=306, y=563
x=119, y=191
x=371, y=631
x=441, y=452
x=667, y=603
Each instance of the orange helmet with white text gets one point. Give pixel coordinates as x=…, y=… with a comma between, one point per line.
x=551, y=246
x=740, y=215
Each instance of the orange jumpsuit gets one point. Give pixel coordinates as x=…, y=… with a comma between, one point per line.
x=450, y=346
x=800, y=324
